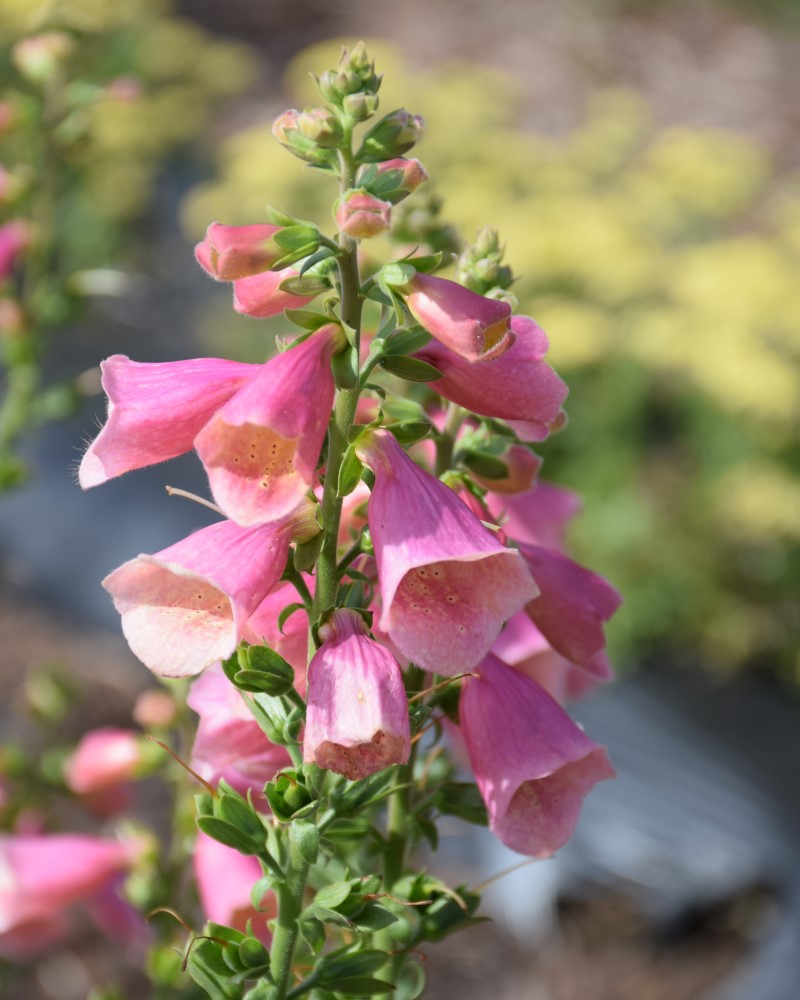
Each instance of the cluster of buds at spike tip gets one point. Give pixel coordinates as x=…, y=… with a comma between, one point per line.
x=312, y=135
x=480, y=266
x=40, y=57
x=353, y=86
x=361, y=215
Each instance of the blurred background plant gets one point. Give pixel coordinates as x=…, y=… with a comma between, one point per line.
x=97, y=96
x=664, y=262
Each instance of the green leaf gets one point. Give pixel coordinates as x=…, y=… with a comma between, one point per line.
x=426, y=264
x=297, y=237
x=409, y=431
x=306, y=553
x=374, y=917
x=206, y=966
x=407, y=341
x=411, y=369
x=287, y=613
x=429, y=831
x=310, y=284
x=316, y=258
x=305, y=838
x=349, y=472
x=344, y=964
x=333, y=895
x=360, y=987
x=268, y=661
x=326, y=916
x=344, y=366
x=306, y=318
x=234, y=810
x=484, y=464
x=227, y=834
x=462, y=799
x=279, y=218
x=397, y=274
x=312, y=932
x=259, y=891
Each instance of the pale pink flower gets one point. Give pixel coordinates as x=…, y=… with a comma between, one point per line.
x=357, y=717
x=261, y=449
x=447, y=584
x=187, y=606
x=14, y=239
x=232, y=252
x=518, y=386
x=532, y=764
x=224, y=881
x=229, y=742
x=101, y=766
x=361, y=215
x=42, y=877
x=539, y=516
x=261, y=296
x=572, y=606
x=156, y=410
x=472, y=326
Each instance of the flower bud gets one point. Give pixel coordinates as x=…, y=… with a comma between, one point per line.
x=39, y=57
x=409, y=175
x=103, y=759
x=359, y=106
x=480, y=267
x=287, y=131
x=232, y=252
x=155, y=709
x=391, y=136
x=322, y=127
x=361, y=215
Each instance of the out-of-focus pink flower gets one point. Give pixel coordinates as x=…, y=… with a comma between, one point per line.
x=518, y=386
x=361, y=215
x=261, y=448
x=156, y=410
x=447, y=584
x=15, y=237
x=44, y=876
x=187, y=606
x=357, y=718
x=523, y=468
x=539, y=516
x=101, y=766
x=155, y=709
x=532, y=764
x=261, y=296
x=572, y=606
x=224, y=880
x=232, y=252
x=471, y=326
x=229, y=743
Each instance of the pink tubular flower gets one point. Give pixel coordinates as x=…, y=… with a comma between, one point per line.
x=261, y=296
x=519, y=386
x=224, y=880
x=572, y=605
x=261, y=449
x=44, y=876
x=532, y=764
x=447, y=584
x=187, y=606
x=229, y=742
x=156, y=410
x=539, y=516
x=470, y=325
x=361, y=215
x=104, y=761
x=232, y=252
x=357, y=718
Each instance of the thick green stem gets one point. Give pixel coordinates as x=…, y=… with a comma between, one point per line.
x=287, y=927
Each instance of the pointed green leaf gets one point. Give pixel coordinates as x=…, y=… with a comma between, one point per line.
x=349, y=472
x=306, y=318
x=407, y=341
x=411, y=369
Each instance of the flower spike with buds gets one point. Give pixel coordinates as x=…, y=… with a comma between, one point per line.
x=357, y=717
x=447, y=584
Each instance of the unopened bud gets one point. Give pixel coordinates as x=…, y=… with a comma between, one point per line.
x=406, y=175
x=39, y=57
x=155, y=710
x=287, y=131
x=361, y=215
x=229, y=253
x=392, y=136
x=360, y=106
x=321, y=127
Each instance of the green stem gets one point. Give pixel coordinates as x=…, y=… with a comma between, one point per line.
x=447, y=439
x=287, y=927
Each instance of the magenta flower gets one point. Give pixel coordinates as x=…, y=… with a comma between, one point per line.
x=357, y=716
x=518, y=386
x=470, y=325
x=232, y=252
x=532, y=764
x=156, y=410
x=261, y=448
x=261, y=296
x=572, y=605
x=229, y=742
x=447, y=584
x=45, y=875
x=361, y=215
x=187, y=606
x=224, y=880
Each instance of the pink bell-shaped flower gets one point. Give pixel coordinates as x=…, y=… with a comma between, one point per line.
x=357, y=715
x=447, y=584
x=224, y=881
x=532, y=764
x=518, y=386
x=261, y=296
x=231, y=252
x=229, y=743
x=261, y=449
x=540, y=516
x=361, y=215
x=156, y=410
x=472, y=326
x=187, y=606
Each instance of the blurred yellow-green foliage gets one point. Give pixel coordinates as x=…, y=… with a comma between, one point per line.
x=664, y=265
